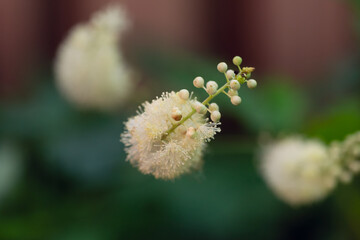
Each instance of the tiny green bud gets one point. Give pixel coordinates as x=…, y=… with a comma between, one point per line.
x=251, y=83
x=237, y=60
x=198, y=82
x=222, y=67
x=248, y=75
x=235, y=100
x=230, y=74
x=235, y=85
x=211, y=87
x=240, y=79
x=215, y=116
x=184, y=94
x=213, y=107
x=233, y=92
x=248, y=69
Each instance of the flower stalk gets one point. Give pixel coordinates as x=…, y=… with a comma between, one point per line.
x=205, y=102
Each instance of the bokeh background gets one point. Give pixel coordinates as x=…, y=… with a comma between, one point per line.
x=63, y=174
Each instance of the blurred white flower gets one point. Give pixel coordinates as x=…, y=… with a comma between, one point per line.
x=10, y=168
x=156, y=149
x=299, y=171
x=89, y=66
x=347, y=155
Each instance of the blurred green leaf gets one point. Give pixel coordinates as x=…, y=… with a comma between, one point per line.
x=43, y=114
x=335, y=122
x=90, y=155
x=274, y=106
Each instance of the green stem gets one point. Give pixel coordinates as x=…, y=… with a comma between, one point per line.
x=205, y=102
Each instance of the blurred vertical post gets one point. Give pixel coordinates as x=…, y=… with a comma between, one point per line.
x=20, y=33
x=301, y=38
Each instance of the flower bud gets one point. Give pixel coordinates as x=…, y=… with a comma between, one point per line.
x=184, y=94
x=222, y=67
x=233, y=92
x=199, y=107
x=237, y=60
x=251, y=83
x=248, y=69
x=190, y=132
x=198, y=82
x=235, y=100
x=240, y=79
x=211, y=87
x=230, y=74
x=215, y=116
x=213, y=107
x=235, y=85
x=176, y=114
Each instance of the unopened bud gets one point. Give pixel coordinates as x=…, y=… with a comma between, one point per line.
x=235, y=85
x=230, y=74
x=233, y=92
x=222, y=67
x=213, y=107
x=199, y=107
x=211, y=87
x=176, y=114
x=198, y=82
x=240, y=79
x=251, y=83
x=237, y=60
x=235, y=100
x=215, y=116
x=248, y=69
x=184, y=94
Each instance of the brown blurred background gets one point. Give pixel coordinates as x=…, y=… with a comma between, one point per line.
x=314, y=35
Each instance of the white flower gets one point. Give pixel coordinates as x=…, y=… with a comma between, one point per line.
x=299, y=171
x=163, y=155
x=89, y=67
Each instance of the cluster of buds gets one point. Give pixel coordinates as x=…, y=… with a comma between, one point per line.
x=346, y=156
x=168, y=137
x=231, y=87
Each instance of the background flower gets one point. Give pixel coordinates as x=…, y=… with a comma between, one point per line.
x=90, y=68
x=298, y=170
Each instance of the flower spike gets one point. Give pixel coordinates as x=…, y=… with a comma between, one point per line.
x=168, y=137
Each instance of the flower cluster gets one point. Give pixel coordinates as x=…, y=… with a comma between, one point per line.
x=90, y=70
x=297, y=169
x=346, y=154
x=301, y=171
x=168, y=136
